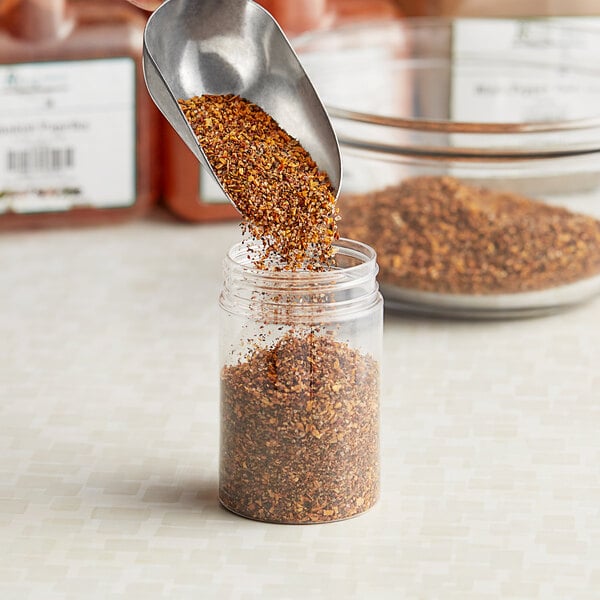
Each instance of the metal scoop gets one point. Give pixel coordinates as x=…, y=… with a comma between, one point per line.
x=195, y=47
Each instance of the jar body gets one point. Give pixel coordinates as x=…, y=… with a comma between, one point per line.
x=300, y=389
x=480, y=187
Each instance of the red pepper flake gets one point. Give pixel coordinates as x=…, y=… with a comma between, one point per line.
x=293, y=450
x=285, y=201
x=439, y=234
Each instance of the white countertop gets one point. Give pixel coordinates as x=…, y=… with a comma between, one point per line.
x=109, y=442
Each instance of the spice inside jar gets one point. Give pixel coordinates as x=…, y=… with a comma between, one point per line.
x=300, y=431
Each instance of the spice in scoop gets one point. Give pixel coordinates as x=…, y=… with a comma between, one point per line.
x=286, y=202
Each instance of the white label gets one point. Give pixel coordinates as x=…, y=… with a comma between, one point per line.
x=67, y=135
x=524, y=70
x=332, y=74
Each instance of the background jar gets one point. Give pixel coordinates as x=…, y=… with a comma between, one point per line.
x=78, y=130
x=506, y=106
x=300, y=358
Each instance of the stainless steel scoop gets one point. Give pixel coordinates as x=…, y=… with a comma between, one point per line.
x=195, y=47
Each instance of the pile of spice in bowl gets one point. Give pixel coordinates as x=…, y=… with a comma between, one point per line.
x=471, y=151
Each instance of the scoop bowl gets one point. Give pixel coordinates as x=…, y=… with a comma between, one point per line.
x=196, y=47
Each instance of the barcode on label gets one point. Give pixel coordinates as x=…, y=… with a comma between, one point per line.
x=36, y=160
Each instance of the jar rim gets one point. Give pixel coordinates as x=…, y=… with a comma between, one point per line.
x=478, y=153
x=238, y=258
x=287, y=297
x=474, y=127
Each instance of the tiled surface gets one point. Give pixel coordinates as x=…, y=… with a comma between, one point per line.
x=109, y=432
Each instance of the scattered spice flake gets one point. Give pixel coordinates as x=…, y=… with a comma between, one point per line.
x=299, y=431
x=285, y=201
x=439, y=234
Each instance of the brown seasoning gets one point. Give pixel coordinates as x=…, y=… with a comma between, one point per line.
x=286, y=202
x=439, y=234
x=299, y=416
x=299, y=432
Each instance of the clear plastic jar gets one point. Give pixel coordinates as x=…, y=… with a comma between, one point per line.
x=300, y=358
x=471, y=152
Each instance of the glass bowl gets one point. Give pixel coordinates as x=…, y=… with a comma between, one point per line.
x=471, y=155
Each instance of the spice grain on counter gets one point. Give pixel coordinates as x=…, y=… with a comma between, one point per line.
x=299, y=431
x=439, y=234
x=285, y=200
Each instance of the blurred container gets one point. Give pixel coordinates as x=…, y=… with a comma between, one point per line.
x=78, y=131
x=187, y=192
x=444, y=179
x=506, y=8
